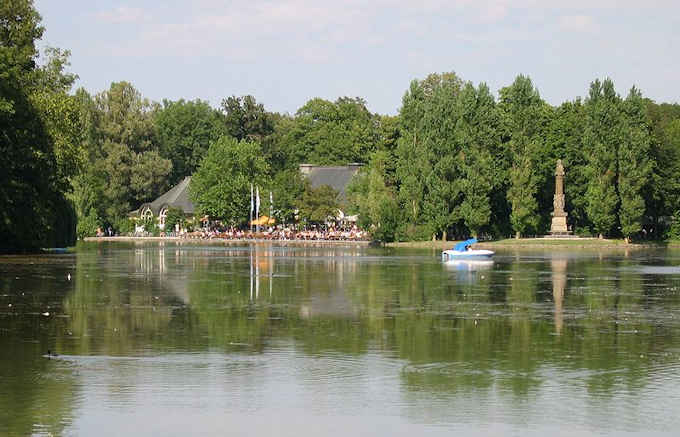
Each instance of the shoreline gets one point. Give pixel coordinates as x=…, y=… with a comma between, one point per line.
x=540, y=243
x=225, y=242
x=506, y=244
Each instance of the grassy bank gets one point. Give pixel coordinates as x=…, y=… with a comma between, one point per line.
x=540, y=243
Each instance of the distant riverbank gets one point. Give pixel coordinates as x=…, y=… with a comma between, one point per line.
x=226, y=242
x=510, y=243
x=541, y=243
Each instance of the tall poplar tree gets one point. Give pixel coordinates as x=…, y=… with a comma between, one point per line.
x=426, y=165
x=525, y=119
x=634, y=164
x=440, y=121
x=601, y=140
x=478, y=135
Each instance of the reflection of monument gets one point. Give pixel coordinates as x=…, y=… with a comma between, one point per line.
x=559, y=220
x=559, y=279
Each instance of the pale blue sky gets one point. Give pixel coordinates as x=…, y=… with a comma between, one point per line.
x=287, y=51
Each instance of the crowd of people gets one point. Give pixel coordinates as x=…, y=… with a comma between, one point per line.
x=281, y=234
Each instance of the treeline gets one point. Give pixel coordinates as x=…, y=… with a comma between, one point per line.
x=466, y=164
x=456, y=161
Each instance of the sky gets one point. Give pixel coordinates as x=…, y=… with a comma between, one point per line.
x=285, y=52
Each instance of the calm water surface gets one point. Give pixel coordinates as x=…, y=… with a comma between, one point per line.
x=165, y=339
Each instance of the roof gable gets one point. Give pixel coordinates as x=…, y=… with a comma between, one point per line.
x=337, y=177
x=176, y=197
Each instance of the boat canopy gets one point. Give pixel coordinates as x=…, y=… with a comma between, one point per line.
x=463, y=245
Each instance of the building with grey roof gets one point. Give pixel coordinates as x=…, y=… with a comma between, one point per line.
x=176, y=197
x=337, y=177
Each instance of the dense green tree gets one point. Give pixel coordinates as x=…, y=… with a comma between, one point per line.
x=601, y=140
x=634, y=164
x=125, y=168
x=373, y=200
x=52, y=75
x=449, y=160
x=412, y=165
x=34, y=210
x=318, y=205
x=87, y=184
x=287, y=188
x=426, y=152
x=184, y=131
x=669, y=181
x=524, y=116
x=220, y=188
x=662, y=194
x=565, y=138
x=60, y=114
x=331, y=133
x=388, y=138
x=244, y=118
x=125, y=117
x=479, y=140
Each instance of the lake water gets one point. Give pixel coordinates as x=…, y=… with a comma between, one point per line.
x=175, y=340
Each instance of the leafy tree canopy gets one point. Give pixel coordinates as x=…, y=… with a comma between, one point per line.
x=318, y=204
x=221, y=186
x=184, y=131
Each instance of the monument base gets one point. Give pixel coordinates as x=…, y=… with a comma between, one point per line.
x=559, y=226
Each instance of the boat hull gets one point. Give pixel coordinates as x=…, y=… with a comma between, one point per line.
x=468, y=254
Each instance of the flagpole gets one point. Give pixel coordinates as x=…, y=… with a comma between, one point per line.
x=257, y=209
x=250, y=223
x=251, y=273
x=271, y=205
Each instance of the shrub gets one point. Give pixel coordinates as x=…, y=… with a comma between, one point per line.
x=410, y=232
x=173, y=217
x=87, y=226
x=124, y=226
x=149, y=225
x=673, y=232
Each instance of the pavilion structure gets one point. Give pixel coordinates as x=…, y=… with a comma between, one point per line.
x=176, y=197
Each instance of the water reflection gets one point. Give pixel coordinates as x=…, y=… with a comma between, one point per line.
x=469, y=264
x=559, y=280
x=527, y=339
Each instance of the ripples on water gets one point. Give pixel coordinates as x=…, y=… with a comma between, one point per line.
x=186, y=340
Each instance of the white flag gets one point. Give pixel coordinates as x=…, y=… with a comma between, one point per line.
x=252, y=206
x=257, y=201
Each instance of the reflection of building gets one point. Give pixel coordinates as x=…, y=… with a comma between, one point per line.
x=337, y=177
x=176, y=197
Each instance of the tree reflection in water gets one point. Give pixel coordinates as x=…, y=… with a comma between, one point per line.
x=517, y=328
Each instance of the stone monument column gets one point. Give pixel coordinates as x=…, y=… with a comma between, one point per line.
x=559, y=220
